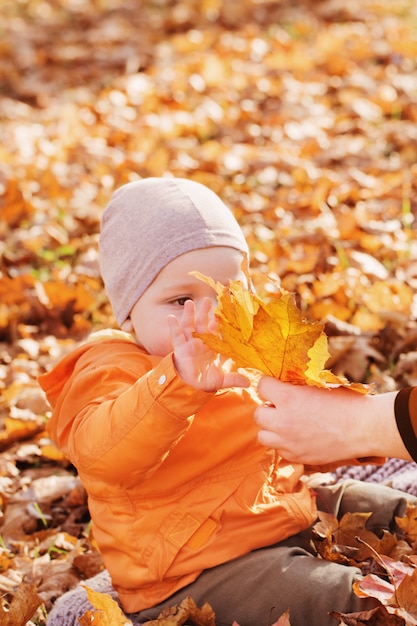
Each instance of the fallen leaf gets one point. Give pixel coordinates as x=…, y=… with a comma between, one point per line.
x=107, y=613
x=284, y=620
x=373, y=586
x=187, y=612
x=408, y=523
x=55, y=576
x=18, y=430
x=13, y=207
x=406, y=594
x=347, y=540
x=22, y=607
x=375, y=617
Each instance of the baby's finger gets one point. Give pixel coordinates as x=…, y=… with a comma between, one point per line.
x=204, y=315
x=187, y=319
x=235, y=379
x=177, y=335
x=213, y=325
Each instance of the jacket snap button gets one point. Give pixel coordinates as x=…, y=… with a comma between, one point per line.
x=162, y=379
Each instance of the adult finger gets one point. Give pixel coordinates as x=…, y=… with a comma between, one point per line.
x=270, y=439
x=271, y=388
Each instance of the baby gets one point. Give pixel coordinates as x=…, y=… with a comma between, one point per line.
x=184, y=499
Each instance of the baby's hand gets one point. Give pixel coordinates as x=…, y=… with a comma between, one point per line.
x=197, y=365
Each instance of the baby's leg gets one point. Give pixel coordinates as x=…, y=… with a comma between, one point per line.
x=257, y=588
x=353, y=496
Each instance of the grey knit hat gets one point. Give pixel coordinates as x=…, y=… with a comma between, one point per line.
x=149, y=223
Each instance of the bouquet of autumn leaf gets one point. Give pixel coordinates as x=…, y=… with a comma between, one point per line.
x=271, y=337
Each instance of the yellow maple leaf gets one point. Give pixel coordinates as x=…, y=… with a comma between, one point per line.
x=271, y=337
x=108, y=612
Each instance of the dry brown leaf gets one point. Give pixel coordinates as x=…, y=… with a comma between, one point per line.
x=54, y=577
x=89, y=564
x=408, y=523
x=22, y=607
x=375, y=617
x=398, y=594
x=187, y=612
x=375, y=587
x=347, y=540
x=406, y=595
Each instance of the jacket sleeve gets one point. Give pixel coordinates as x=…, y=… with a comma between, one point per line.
x=405, y=408
x=129, y=428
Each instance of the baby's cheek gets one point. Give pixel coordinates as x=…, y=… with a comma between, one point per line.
x=161, y=344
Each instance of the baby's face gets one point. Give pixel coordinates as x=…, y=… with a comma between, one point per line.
x=173, y=286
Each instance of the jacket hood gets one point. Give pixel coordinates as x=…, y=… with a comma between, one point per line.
x=58, y=380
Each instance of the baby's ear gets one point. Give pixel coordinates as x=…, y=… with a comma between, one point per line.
x=127, y=325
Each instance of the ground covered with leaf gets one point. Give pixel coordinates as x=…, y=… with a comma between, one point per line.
x=302, y=115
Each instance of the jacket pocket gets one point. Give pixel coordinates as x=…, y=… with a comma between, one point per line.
x=189, y=526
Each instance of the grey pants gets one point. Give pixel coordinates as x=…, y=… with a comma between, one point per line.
x=257, y=588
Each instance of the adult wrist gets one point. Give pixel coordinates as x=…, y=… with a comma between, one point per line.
x=405, y=409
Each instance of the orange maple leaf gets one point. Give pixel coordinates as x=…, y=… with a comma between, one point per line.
x=271, y=337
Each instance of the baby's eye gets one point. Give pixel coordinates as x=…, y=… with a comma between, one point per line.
x=183, y=300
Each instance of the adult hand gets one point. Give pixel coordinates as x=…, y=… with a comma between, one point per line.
x=315, y=425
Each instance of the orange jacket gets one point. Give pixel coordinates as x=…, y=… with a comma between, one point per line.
x=176, y=478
